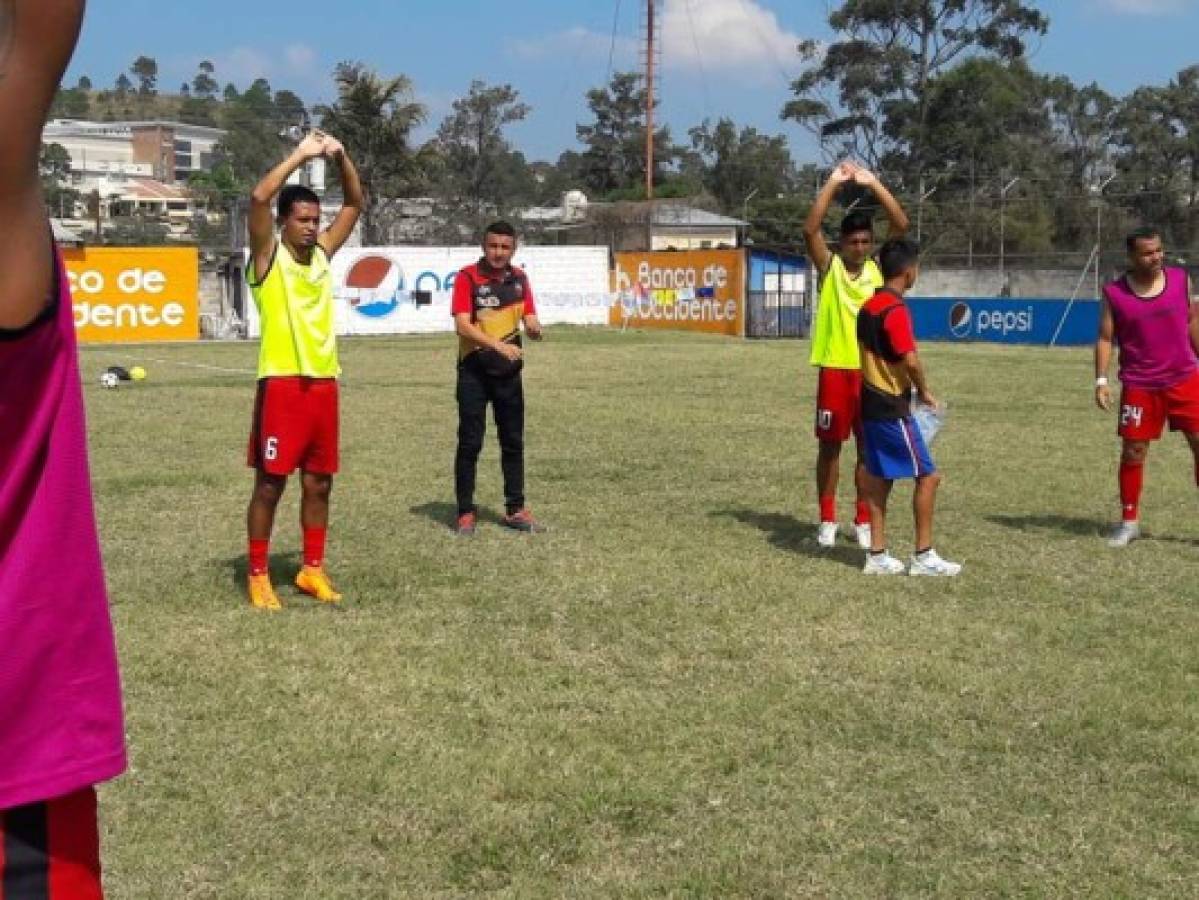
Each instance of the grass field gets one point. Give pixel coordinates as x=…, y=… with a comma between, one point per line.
x=673, y=692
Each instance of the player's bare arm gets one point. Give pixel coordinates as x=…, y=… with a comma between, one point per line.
x=915, y=370
x=262, y=216
x=897, y=218
x=37, y=38
x=1103, y=353
x=472, y=332
x=354, y=200
x=813, y=227
x=533, y=327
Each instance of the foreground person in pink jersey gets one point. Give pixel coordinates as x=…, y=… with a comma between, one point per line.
x=61, y=730
x=1149, y=313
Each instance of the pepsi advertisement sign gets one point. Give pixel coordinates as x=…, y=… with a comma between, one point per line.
x=1005, y=320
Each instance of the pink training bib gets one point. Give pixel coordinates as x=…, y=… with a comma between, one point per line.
x=1155, y=344
x=61, y=723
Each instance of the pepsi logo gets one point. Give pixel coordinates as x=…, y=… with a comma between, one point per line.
x=961, y=317
x=373, y=285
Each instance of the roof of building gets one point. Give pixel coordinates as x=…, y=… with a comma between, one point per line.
x=677, y=214
x=150, y=189
x=85, y=125
x=64, y=235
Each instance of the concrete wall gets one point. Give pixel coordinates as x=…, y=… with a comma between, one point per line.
x=1023, y=283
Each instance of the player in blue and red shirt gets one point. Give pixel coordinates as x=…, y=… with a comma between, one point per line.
x=892, y=446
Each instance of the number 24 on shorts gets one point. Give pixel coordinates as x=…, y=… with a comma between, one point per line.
x=1131, y=415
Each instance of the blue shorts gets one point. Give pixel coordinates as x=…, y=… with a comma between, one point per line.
x=893, y=448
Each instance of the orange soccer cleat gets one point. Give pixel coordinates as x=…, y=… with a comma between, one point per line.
x=262, y=594
x=315, y=582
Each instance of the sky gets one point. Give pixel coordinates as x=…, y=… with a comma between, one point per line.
x=731, y=58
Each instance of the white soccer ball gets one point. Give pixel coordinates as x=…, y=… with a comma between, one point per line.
x=109, y=380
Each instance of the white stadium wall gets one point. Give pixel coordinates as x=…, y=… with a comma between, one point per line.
x=374, y=287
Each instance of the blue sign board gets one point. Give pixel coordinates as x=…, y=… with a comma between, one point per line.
x=1006, y=320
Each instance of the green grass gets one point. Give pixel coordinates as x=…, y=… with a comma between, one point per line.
x=672, y=693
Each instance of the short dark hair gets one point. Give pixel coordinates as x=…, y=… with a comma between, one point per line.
x=856, y=221
x=898, y=255
x=293, y=194
x=501, y=228
x=1144, y=233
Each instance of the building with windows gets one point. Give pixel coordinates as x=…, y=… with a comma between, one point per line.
x=169, y=152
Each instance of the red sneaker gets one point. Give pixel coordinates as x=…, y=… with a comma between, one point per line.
x=522, y=520
x=467, y=522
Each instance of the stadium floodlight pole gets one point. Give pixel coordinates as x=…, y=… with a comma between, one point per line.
x=1099, y=229
x=745, y=213
x=920, y=211
x=1003, y=222
x=649, y=103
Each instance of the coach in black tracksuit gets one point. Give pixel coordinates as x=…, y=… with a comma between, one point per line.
x=492, y=298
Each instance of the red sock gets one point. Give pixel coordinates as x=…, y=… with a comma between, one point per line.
x=862, y=517
x=828, y=509
x=1132, y=477
x=259, y=551
x=314, y=547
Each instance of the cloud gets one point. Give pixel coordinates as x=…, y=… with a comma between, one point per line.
x=727, y=36
x=1148, y=7
x=300, y=58
x=734, y=37
x=573, y=42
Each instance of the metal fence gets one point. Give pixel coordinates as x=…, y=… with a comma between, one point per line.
x=775, y=314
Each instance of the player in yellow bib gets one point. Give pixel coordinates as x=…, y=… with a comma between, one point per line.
x=296, y=412
x=848, y=278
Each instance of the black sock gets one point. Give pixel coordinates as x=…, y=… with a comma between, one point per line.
x=882, y=552
x=924, y=551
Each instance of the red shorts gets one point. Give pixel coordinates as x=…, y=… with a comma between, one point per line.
x=1144, y=412
x=51, y=850
x=295, y=426
x=839, y=404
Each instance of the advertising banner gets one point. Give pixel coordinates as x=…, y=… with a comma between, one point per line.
x=406, y=290
x=1006, y=320
x=135, y=294
x=691, y=290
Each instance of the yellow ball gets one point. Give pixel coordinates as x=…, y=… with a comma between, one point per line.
x=137, y=373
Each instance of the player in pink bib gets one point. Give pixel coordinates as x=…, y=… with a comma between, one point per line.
x=61, y=729
x=1149, y=313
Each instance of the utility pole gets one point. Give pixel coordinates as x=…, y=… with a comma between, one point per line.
x=649, y=100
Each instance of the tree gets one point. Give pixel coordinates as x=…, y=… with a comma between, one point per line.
x=85, y=83
x=71, y=103
x=54, y=165
x=882, y=64
x=614, y=158
x=145, y=70
x=123, y=86
x=374, y=118
x=291, y=109
x=734, y=165
x=204, y=85
x=480, y=169
x=1157, y=157
x=252, y=144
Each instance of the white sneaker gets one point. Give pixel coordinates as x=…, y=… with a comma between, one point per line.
x=929, y=563
x=862, y=533
x=826, y=535
x=882, y=564
x=1124, y=534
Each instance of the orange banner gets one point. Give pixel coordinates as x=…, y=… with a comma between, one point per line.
x=135, y=294
x=689, y=290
